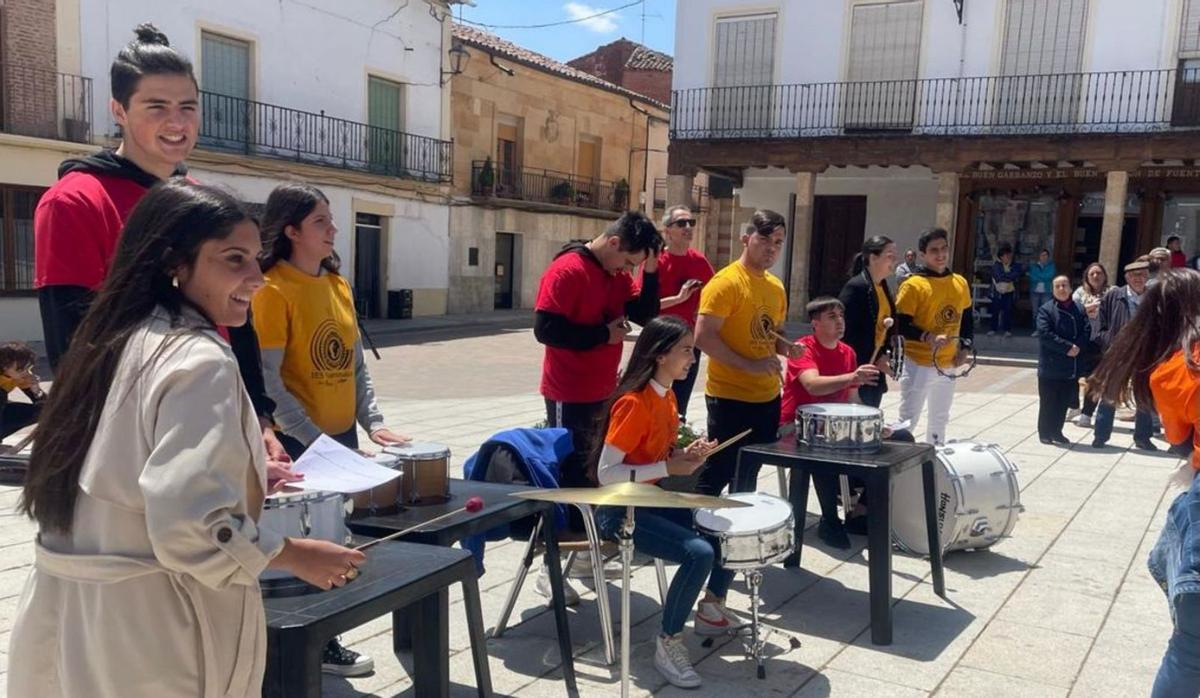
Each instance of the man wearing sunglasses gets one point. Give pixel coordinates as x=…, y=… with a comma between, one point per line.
x=682, y=272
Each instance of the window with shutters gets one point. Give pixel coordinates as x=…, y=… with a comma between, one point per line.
x=587, y=171
x=16, y=238
x=385, y=124
x=743, y=70
x=885, y=55
x=508, y=156
x=1040, y=62
x=1189, y=30
x=225, y=109
x=1186, y=107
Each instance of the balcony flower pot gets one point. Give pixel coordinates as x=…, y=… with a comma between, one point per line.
x=562, y=193
x=621, y=195
x=487, y=177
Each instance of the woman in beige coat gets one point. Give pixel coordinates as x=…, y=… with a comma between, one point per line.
x=147, y=478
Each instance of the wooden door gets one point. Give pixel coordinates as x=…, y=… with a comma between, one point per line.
x=839, y=224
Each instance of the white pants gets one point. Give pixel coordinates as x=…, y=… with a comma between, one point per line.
x=918, y=382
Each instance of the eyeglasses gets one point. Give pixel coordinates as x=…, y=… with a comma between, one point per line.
x=685, y=223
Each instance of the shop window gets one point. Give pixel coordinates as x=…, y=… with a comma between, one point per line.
x=1181, y=216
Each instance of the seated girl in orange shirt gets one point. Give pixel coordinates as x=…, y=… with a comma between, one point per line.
x=640, y=432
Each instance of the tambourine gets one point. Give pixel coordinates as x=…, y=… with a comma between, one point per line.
x=964, y=369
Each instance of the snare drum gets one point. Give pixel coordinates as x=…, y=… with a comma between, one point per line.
x=320, y=515
x=840, y=426
x=424, y=473
x=978, y=499
x=752, y=537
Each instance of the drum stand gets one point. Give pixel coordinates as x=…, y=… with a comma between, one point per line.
x=755, y=645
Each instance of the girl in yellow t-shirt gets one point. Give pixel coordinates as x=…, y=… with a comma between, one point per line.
x=312, y=354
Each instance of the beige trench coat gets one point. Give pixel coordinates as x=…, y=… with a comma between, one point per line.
x=155, y=590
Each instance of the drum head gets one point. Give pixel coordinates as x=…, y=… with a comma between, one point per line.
x=840, y=409
x=765, y=511
x=287, y=499
x=418, y=450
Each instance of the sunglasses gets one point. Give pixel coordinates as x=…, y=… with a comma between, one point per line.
x=685, y=223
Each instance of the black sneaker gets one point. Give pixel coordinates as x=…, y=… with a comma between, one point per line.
x=1060, y=439
x=857, y=525
x=1144, y=445
x=340, y=661
x=1097, y=443
x=833, y=534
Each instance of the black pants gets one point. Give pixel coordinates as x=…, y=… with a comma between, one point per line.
x=295, y=449
x=728, y=418
x=872, y=395
x=1054, y=397
x=582, y=419
x=683, y=388
x=17, y=415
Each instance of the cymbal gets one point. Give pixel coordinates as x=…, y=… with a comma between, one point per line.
x=630, y=494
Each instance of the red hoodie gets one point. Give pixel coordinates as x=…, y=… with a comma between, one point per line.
x=78, y=221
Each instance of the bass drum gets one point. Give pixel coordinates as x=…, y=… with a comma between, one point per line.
x=978, y=499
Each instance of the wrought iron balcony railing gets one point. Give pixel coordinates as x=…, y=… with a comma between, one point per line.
x=1112, y=102
x=547, y=187
x=256, y=128
x=45, y=104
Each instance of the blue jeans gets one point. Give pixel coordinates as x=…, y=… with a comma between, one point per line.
x=1143, y=423
x=1002, y=307
x=668, y=534
x=1175, y=564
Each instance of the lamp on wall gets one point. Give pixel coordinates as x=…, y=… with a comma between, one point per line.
x=459, y=57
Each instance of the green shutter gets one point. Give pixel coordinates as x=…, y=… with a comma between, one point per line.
x=385, y=119
x=225, y=66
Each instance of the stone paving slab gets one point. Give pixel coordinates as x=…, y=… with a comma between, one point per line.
x=1064, y=607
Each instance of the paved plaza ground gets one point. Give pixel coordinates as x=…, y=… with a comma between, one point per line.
x=1063, y=607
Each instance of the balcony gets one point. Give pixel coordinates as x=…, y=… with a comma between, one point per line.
x=547, y=187
x=1075, y=103
x=236, y=125
x=45, y=104
x=700, y=196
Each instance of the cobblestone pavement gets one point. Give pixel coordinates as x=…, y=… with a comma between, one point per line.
x=1063, y=607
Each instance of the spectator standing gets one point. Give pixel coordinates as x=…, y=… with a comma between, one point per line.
x=1064, y=335
x=1041, y=276
x=1005, y=274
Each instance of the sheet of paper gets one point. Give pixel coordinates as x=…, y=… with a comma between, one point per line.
x=330, y=466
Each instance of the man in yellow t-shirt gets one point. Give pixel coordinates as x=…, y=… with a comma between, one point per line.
x=933, y=306
x=741, y=314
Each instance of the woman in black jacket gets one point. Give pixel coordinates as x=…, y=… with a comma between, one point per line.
x=1064, y=335
x=869, y=302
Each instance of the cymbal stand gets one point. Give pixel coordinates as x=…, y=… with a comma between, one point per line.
x=626, y=545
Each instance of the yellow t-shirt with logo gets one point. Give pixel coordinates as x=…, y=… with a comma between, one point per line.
x=936, y=304
x=312, y=319
x=752, y=305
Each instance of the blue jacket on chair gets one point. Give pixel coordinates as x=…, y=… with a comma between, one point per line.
x=538, y=453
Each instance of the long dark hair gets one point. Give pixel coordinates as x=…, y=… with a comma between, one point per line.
x=872, y=247
x=1087, y=285
x=288, y=205
x=1167, y=320
x=164, y=232
x=149, y=54
x=657, y=338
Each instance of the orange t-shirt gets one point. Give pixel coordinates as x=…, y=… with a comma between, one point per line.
x=644, y=425
x=1175, y=388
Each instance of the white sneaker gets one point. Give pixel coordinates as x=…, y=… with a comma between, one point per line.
x=542, y=586
x=712, y=619
x=581, y=568
x=1083, y=420
x=672, y=661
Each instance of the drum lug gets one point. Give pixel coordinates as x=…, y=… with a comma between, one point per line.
x=305, y=521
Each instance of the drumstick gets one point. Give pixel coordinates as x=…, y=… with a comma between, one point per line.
x=726, y=442
x=887, y=325
x=474, y=504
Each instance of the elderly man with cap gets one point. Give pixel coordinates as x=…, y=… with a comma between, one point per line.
x=1116, y=308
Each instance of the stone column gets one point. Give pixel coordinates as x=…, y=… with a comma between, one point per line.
x=1115, y=193
x=679, y=190
x=800, y=238
x=946, y=216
